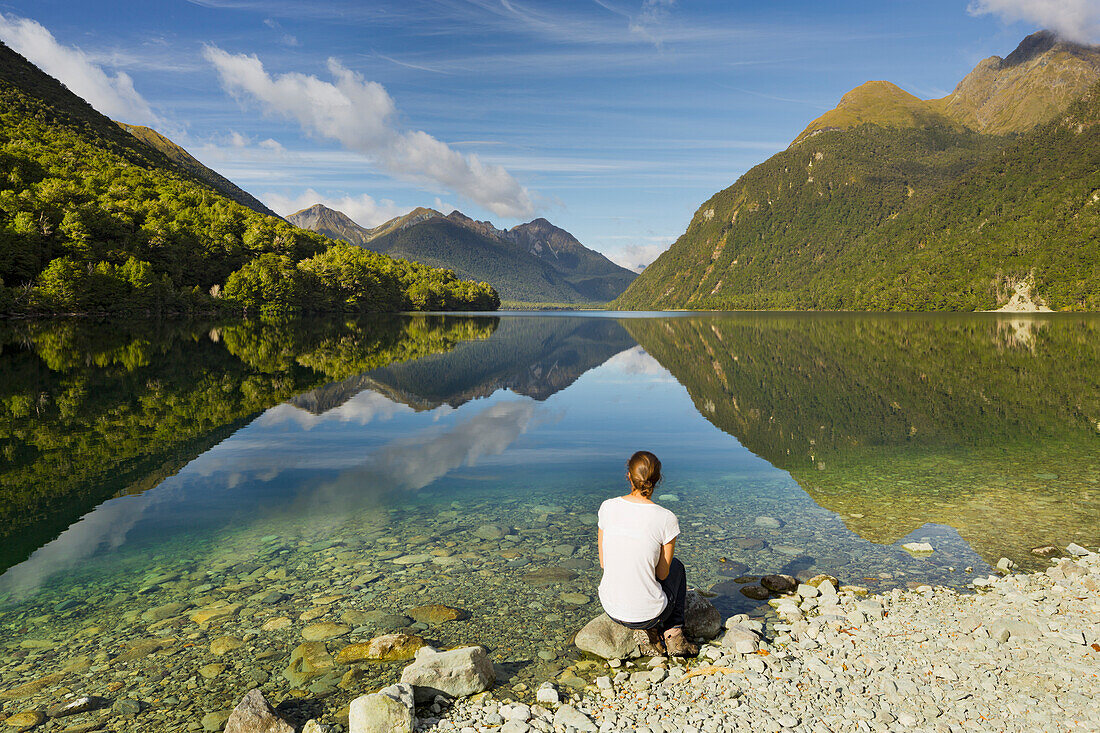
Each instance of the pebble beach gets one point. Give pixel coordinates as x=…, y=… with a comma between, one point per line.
x=1019, y=653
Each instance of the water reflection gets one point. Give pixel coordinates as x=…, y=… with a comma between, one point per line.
x=987, y=424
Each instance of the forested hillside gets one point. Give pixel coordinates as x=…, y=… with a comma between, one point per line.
x=887, y=204
x=92, y=220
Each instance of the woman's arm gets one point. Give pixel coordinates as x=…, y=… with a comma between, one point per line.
x=665, y=560
x=599, y=545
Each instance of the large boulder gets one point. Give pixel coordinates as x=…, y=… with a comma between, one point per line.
x=254, y=714
x=701, y=619
x=390, y=710
x=457, y=672
x=605, y=638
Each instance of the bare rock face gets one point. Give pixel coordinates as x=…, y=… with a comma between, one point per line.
x=254, y=714
x=455, y=673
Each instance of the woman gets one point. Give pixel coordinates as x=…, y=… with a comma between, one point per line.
x=643, y=587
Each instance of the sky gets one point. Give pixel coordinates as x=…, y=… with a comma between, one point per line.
x=614, y=119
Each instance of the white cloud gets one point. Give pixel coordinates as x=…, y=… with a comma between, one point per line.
x=114, y=96
x=652, y=20
x=637, y=257
x=364, y=210
x=1074, y=20
x=362, y=116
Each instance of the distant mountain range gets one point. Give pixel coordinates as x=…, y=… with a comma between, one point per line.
x=986, y=197
x=535, y=262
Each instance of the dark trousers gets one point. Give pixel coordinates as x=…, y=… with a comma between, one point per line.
x=675, y=587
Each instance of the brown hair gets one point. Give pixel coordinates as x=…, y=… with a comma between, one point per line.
x=644, y=471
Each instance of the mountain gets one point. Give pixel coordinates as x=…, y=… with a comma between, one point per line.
x=532, y=262
x=95, y=220
x=330, y=222
x=891, y=203
x=187, y=162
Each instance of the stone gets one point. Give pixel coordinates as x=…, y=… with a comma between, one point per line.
x=210, y=671
x=605, y=638
x=549, y=576
x=307, y=661
x=276, y=624
x=126, y=707
x=805, y=590
x=215, y=721
x=490, y=532
x=168, y=610
x=547, y=694
x=314, y=726
x=1077, y=551
x=26, y=720
x=779, y=583
x=820, y=578
x=568, y=717
x=917, y=548
x=82, y=704
x=140, y=649
x=574, y=599
x=390, y=710
x=215, y=611
x=668, y=497
x=1044, y=551
x=755, y=592
x=871, y=609
x=515, y=711
x=457, y=673
x=1004, y=564
x=701, y=619
x=437, y=614
x=412, y=559
x=384, y=648
x=324, y=630
x=768, y=522
x=254, y=714
x=741, y=640
x=1003, y=629
x=224, y=645
x=731, y=568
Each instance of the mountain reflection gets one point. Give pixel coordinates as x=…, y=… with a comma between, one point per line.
x=96, y=410
x=987, y=424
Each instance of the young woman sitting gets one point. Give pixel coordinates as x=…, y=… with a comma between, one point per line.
x=643, y=587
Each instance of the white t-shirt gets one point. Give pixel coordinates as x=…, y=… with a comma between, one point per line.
x=633, y=534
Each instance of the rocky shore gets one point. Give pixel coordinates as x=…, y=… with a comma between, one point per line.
x=1022, y=653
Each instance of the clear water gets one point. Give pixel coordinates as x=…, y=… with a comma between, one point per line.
x=206, y=464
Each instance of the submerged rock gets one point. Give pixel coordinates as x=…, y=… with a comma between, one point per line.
x=384, y=648
x=917, y=548
x=779, y=583
x=755, y=592
x=549, y=575
x=457, y=672
x=254, y=714
x=307, y=661
x=437, y=614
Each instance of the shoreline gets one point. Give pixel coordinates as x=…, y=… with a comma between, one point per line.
x=1021, y=652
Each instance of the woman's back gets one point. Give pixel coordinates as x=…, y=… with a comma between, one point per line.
x=633, y=534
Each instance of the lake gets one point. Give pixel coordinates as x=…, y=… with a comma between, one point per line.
x=260, y=478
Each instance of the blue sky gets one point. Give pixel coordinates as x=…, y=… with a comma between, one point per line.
x=614, y=119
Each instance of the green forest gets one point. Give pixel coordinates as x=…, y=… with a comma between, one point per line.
x=90, y=410
x=92, y=220
x=881, y=218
